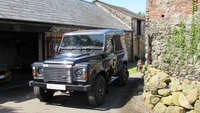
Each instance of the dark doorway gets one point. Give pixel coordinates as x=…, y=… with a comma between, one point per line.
x=18, y=49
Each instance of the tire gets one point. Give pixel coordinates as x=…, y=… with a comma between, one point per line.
x=96, y=96
x=43, y=94
x=123, y=76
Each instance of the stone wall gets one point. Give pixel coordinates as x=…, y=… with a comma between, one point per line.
x=126, y=41
x=131, y=23
x=161, y=17
x=165, y=94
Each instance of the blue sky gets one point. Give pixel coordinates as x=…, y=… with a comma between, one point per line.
x=132, y=5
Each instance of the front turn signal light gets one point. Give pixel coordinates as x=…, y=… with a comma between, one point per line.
x=84, y=76
x=34, y=74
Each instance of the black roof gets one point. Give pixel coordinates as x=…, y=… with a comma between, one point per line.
x=64, y=12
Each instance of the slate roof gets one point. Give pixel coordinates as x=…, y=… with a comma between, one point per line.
x=123, y=10
x=64, y=12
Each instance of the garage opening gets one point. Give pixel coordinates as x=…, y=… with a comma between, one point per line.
x=18, y=49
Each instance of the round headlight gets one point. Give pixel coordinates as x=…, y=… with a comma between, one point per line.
x=40, y=70
x=78, y=72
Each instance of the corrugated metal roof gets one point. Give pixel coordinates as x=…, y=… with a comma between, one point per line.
x=67, y=12
x=123, y=10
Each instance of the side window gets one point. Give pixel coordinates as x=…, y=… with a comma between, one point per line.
x=117, y=43
x=109, y=44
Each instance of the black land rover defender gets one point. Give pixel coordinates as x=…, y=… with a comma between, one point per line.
x=86, y=60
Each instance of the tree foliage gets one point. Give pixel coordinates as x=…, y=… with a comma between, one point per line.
x=141, y=13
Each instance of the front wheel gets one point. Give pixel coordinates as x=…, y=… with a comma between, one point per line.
x=97, y=95
x=43, y=94
x=123, y=76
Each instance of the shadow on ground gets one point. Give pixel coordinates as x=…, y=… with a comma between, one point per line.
x=117, y=97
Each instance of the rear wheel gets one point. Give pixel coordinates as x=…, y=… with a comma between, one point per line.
x=43, y=94
x=123, y=76
x=97, y=95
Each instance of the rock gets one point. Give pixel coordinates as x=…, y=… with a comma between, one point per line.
x=182, y=87
x=167, y=100
x=154, y=90
x=160, y=108
x=147, y=86
x=164, y=92
x=192, y=96
x=146, y=78
x=155, y=63
x=174, y=85
x=163, y=77
x=197, y=87
x=154, y=80
x=184, y=102
x=146, y=72
x=197, y=106
x=173, y=79
x=154, y=100
x=174, y=109
x=192, y=111
x=162, y=85
x=144, y=94
x=185, y=82
x=198, y=83
x=150, y=106
x=148, y=99
x=188, y=89
x=175, y=98
x=194, y=82
x=153, y=71
x=150, y=87
x=174, y=88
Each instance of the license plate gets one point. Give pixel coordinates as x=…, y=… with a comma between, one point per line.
x=56, y=86
x=1, y=76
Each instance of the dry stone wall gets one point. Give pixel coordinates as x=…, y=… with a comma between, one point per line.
x=165, y=94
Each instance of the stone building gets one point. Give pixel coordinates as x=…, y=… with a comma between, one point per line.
x=30, y=29
x=135, y=43
x=162, y=16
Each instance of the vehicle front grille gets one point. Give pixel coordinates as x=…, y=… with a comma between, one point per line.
x=57, y=74
x=2, y=72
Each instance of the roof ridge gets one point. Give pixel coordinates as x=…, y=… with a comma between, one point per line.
x=114, y=6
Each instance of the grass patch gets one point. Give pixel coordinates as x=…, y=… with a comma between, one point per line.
x=133, y=69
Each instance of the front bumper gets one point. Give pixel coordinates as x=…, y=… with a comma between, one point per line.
x=57, y=86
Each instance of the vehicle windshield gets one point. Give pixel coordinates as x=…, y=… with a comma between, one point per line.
x=83, y=40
